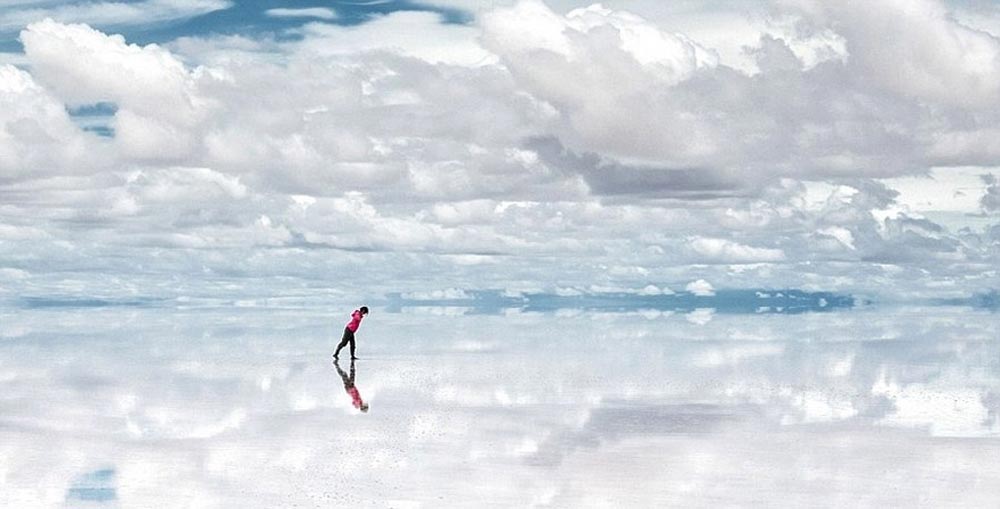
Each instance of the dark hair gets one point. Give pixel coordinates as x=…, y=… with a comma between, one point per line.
x=364, y=310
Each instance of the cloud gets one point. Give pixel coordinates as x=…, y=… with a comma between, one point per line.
x=626, y=59
x=37, y=137
x=83, y=65
x=990, y=202
x=311, y=12
x=146, y=12
x=700, y=287
x=413, y=33
x=20, y=233
x=727, y=251
x=451, y=146
x=843, y=235
x=605, y=176
x=530, y=27
x=688, y=112
x=918, y=49
x=158, y=106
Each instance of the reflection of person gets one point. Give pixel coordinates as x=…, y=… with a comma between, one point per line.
x=352, y=391
x=350, y=329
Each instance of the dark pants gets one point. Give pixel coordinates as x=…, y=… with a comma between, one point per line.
x=348, y=338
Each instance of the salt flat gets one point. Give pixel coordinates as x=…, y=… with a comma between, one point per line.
x=242, y=407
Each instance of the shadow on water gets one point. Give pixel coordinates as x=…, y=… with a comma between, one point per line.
x=349, y=387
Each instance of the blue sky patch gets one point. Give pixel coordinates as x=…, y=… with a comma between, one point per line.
x=984, y=300
x=101, y=109
x=85, y=302
x=97, y=486
x=95, y=118
x=735, y=301
x=243, y=17
x=250, y=17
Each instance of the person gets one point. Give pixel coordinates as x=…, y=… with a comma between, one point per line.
x=352, y=391
x=349, y=330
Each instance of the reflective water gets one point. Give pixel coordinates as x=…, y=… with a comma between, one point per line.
x=135, y=407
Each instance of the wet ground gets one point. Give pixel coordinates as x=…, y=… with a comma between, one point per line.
x=873, y=406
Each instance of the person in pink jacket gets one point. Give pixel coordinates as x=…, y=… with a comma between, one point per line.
x=352, y=327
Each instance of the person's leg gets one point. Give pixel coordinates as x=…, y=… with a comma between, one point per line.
x=348, y=337
x=343, y=376
x=352, y=348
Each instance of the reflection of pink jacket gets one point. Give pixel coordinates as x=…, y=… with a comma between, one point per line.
x=355, y=397
x=355, y=322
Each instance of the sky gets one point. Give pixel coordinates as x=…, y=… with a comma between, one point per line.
x=179, y=147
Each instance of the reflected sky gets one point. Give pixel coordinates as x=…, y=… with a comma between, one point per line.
x=758, y=301
x=151, y=407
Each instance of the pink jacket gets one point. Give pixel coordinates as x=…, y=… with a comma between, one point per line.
x=355, y=397
x=355, y=322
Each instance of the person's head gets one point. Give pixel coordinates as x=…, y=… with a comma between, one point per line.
x=364, y=407
x=364, y=310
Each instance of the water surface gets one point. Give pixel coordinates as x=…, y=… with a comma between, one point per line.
x=135, y=406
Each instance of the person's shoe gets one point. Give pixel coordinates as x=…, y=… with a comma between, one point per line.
x=354, y=358
x=335, y=356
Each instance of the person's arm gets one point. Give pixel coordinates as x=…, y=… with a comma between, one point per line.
x=356, y=320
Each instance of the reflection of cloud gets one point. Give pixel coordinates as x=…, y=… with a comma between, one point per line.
x=700, y=316
x=947, y=412
x=615, y=421
x=447, y=294
x=816, y=406
x=734, y=355
x=233, y=407
x=437, y=310
x=474, y=346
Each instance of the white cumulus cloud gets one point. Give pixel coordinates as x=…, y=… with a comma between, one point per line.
x=729, y=251
x=585, y=146
x=309, y=12
x=145, y=12
x=700, y=287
